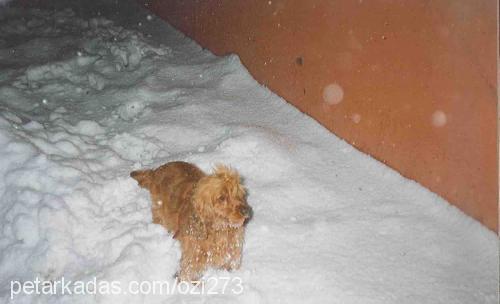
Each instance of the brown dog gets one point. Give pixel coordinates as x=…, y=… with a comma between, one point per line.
x=206, y=213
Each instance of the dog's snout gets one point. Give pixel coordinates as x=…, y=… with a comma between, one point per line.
x=245, y=211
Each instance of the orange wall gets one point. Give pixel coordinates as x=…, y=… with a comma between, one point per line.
x=415, y=81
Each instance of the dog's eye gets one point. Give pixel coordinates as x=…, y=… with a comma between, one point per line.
x=221, y=198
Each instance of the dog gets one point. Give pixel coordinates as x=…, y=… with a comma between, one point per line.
x=206, y=213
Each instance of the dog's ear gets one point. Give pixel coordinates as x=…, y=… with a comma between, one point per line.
x=195, y=227
x=143, y=177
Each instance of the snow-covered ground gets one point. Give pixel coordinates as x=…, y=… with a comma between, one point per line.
x=83, y=101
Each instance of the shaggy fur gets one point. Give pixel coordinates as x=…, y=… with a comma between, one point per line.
x=206, y=213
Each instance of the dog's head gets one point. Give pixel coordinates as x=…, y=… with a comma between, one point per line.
x=220, y=198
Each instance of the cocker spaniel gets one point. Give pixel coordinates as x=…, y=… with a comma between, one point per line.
x=206, y=213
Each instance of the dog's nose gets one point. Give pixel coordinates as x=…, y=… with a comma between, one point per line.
x=245, y=211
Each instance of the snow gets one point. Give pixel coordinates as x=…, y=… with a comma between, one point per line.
x=85, y=100
x=333, y=94
x=439, y=118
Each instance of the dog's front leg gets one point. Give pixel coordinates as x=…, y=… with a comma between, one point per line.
x=233, y=258
x=193, y=261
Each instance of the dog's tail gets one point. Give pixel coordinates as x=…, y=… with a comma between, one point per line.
x=143, y=177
